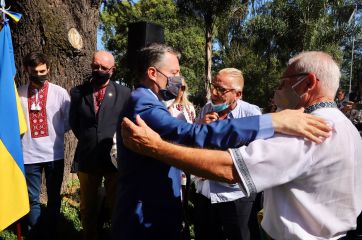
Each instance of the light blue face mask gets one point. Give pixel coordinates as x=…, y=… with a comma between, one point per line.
x=219, y=107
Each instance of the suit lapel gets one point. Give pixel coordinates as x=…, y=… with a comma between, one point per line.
x=109, y=96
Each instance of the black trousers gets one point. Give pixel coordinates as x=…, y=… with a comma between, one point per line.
x=235, y=220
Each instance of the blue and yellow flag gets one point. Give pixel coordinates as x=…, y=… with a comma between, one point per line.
x=14, y=201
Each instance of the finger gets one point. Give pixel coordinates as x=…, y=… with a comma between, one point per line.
x=125, y=131
x=126, y=122
x=140, y=121
x=312, y=137
x=319, y=123
x=213, y=118
x=142, y=124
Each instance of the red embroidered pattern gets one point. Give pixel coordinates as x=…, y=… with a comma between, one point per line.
x=38, y=118
x=190, y=114
x=98, y=96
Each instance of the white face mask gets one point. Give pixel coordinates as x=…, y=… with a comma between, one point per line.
x=287, y=97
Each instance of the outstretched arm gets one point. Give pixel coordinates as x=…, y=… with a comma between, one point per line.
x=210, y=164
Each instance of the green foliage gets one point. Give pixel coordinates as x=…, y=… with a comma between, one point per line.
x=71, y=214
x=181, y=33
x=257, y=37
x=211, y=14
x=7, y=235
x=261, y=44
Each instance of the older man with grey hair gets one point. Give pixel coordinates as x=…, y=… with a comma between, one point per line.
x=312, y=191
x=221, y=210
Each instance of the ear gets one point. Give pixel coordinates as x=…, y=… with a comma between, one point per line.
x=152, y=73
x=113, y=70
x=313, y=81
x=239, y=95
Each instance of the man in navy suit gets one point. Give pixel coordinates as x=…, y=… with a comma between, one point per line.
x=96, y=110
x=148, y=202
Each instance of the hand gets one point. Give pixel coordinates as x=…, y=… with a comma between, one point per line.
x=140, y=138
x=210, y=117
x=298, y=123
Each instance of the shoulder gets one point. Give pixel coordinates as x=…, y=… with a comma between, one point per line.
x=80, y=89
x=142, y=93
x=143, y=98
x=249, y=108
x=23, y=87
x=57, y=87
x=120, y=88
x=23, y=90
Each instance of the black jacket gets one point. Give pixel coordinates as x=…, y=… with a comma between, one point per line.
x=95, y=132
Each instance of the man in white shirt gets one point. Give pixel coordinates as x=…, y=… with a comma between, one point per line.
x=46, y=108
x=221, y=210
x=312, y=191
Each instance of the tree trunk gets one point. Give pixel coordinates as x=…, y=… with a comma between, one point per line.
x=208, y=51
x=51, y=26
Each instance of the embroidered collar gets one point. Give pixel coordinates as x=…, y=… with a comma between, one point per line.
x=320, y=105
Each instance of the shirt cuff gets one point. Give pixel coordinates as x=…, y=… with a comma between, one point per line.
x=247, y=185
x=266, y=129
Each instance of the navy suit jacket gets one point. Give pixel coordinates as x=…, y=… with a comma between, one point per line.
x=95, y=131
x=149, y=205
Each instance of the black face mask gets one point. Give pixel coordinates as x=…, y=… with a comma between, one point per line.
x=100, y=78
x=39, y=79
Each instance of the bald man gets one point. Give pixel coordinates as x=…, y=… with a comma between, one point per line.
x=96, y=110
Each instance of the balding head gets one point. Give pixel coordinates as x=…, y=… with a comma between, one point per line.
x=104, y=58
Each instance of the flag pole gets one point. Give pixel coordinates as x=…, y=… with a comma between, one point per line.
x=18, y=230
x=3, y=21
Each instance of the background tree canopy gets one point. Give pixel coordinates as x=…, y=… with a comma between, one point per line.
x=257, y=37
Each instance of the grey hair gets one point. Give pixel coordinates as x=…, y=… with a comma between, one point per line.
x=150, y=56
x=237, y=75
x=322, y=65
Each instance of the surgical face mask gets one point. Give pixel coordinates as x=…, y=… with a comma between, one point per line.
x=287, y=97
x=38, y=79
x=173, y=86
x=219, y=107
x=100, y=77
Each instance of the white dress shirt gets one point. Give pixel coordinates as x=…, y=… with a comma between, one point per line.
x=218, y=191
x=51, y=147
x=311, y=191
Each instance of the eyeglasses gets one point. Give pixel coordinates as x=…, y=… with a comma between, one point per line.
x=220, y=90
x=288, y=79
x=100, y=67
x=296, y=75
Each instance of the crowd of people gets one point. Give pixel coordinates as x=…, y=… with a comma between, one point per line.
x=290, y=158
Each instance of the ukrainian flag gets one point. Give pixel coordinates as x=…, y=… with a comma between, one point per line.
x=14, y=201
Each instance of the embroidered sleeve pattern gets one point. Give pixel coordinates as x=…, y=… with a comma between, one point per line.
x=247, y=181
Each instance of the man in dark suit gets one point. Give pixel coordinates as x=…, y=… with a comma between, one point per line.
x=96, y=111
x=148, y=202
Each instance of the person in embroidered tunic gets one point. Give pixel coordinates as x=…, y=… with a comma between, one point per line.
x=181, y=107
x=46, y=108
x=311, y=191
x=216, y=202
x=148, y=202
x=95, y=113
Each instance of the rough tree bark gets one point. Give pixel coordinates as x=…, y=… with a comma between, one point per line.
x=45, y=27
